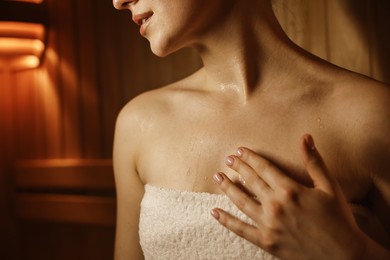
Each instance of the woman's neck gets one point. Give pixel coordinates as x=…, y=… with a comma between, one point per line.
x=245, y=52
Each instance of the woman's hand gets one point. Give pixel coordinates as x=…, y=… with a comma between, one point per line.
x=292, y=221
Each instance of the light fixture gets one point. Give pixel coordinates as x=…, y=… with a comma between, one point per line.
x=22, y=33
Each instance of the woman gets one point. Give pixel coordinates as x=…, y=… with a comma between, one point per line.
x=256, y=89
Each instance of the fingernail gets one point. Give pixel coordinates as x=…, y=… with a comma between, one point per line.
x=239, y=152
x=310, y=142
x=218, y=178
x=214, y=213
x=229, y=160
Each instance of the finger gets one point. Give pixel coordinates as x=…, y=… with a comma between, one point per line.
x=315, y=165
x=242, y=200
x=237, y=226
x=251, y=179
x=265, y=169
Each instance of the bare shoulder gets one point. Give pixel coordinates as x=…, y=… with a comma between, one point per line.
x=157, y=103
x=361, y=94
x=362, y=109
x=143, y=106
x=361, y=104
x=140, y=118
x=149, y=112
x=358, y=109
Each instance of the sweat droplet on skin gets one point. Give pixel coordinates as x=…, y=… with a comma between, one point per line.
x=319, y=120
x=242, y=181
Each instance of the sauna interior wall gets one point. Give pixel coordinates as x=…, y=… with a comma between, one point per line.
x=57, y=121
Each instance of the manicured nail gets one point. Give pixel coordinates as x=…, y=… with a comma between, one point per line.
x=310, y=142
x=218, y=178
x=239, y=152
x=214, y=213
x=229, y=160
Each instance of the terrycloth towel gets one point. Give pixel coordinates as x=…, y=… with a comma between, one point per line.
x=177, y=225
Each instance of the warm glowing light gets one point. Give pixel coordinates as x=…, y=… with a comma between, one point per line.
x=25, y=62
x=18, y=46
x=21, y=44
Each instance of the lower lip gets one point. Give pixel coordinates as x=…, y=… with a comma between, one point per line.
x=144, y=26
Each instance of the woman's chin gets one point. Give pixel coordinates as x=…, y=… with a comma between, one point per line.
x=161, y=49
x=160, y=52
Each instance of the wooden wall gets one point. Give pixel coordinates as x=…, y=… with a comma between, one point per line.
x=350, y=33
x=56, y=122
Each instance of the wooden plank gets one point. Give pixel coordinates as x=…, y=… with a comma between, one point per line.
x=50, y=105
x=112, y=37
x=27, y=141
x=40, y=131
x=64, y=241
x=348, y=42
x=295, y=20
x=316, y=28
x=65, y=174
x=8, y=225
x=304, y=21
x=7, y=111
x=51, y=88
x=90, y=210
x=65, y=27
x=87, y=71
x=380, y=18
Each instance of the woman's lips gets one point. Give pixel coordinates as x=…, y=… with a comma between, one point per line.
x=142, y=20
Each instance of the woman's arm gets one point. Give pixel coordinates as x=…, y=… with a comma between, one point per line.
x=129, y=188
x=294, y=221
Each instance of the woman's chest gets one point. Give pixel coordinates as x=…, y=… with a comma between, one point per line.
x=187, y=151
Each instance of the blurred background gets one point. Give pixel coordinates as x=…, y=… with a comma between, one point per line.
x=66, y=69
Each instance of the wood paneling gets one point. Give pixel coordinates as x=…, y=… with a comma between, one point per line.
x=65, y=175
x=349, y=33
x=64, y=208
x=61, y=241
x=303, y=18
x=8, y=230
x=380, y=37
x=94, y=63
x=349, y=44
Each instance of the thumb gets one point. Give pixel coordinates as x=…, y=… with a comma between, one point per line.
x=315, y=165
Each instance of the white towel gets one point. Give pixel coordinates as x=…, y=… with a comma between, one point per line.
x=178, y=225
